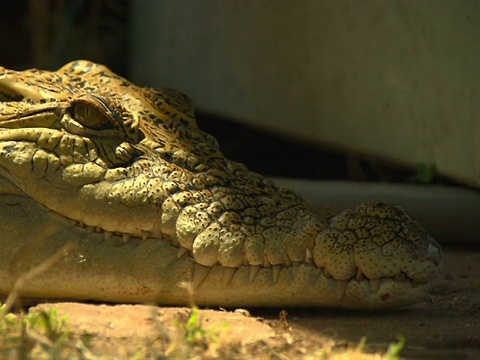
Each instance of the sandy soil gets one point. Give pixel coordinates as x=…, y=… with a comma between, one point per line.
x=445, y=326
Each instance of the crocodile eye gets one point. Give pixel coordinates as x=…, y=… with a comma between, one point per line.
x=91, y=117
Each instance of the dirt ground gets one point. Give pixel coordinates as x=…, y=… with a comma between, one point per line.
x=444, y=326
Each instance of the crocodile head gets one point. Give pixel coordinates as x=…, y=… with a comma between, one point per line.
x=130, y=162
x=85, y=143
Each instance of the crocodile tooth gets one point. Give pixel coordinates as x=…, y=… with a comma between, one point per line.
x=181, y=251
x=98, y=229
x=266, y=264
x=228, y=273
x=326, y=273
x=145, y=235
x=125, y=237
x=245, y=260
x=287, y=261
x=107, y=234
x=275, y=271
x=200, y=272
x=89, y=228
x=359, y=275
x=73, y=222
x=374, y=285
x=253, y=272
x=340, y=288
x=295, y=267
x=308, y=255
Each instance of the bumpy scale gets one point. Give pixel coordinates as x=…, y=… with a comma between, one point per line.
x=129, y=163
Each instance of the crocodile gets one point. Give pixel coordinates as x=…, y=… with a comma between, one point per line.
x=157, y=214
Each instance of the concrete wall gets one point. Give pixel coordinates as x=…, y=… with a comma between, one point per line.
x=396, y=79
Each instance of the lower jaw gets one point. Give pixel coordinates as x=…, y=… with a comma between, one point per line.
x=148, y=271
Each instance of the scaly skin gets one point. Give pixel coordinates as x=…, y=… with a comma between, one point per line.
x=149, y=200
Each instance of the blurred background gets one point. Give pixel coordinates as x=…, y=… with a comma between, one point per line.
x=48, y=33
x=377, y=91
x=387, y=90
x=389, y=81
